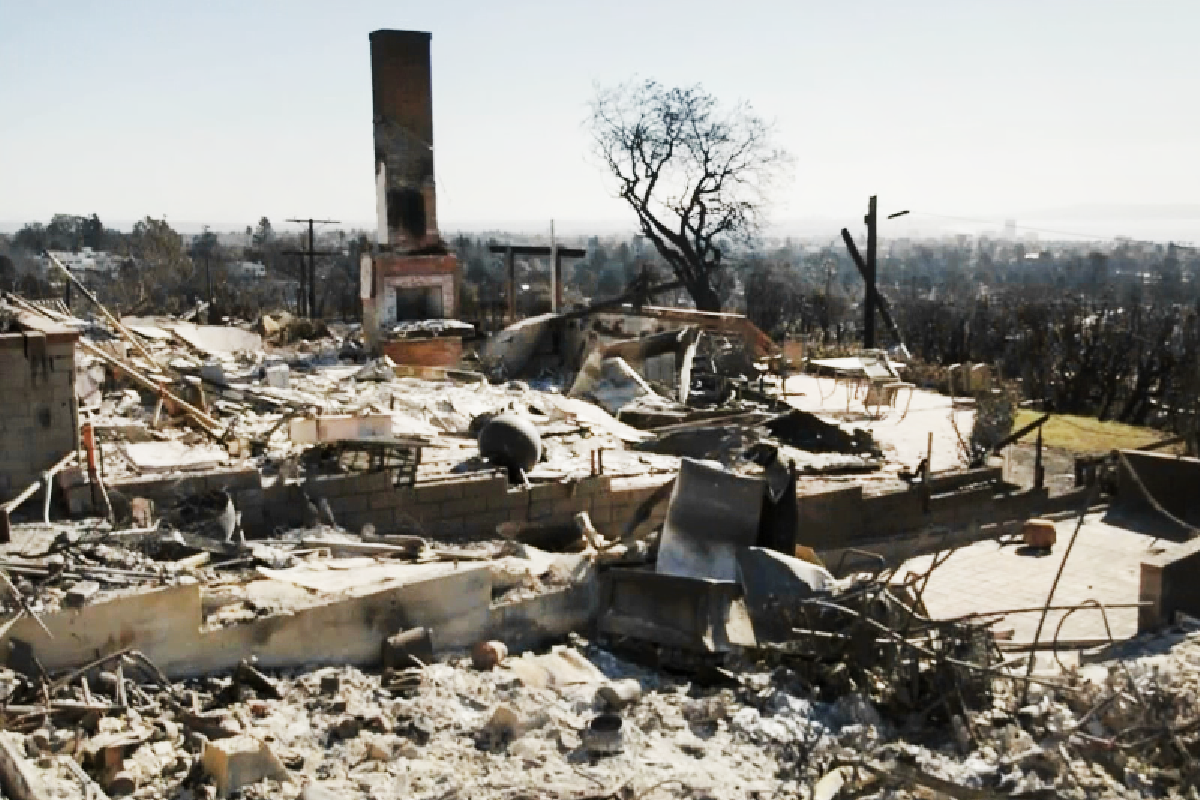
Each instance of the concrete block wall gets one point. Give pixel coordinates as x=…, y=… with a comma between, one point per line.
x=1168, y=583
x=847, y=518
x=473, y=507
x=829, y=518
x=244, y=485
x=38, y=415
x=464, y=507
x=537, y=621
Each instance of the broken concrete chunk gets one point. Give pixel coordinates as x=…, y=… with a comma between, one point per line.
x=142, y=511
x=346, y=727
x=619, y=694
x=331, y=684
x=336, y=427
x=563, y=666
x=610, y=382
x=120, y=783
x=239, y=761
x=1039, y=533
x=379, y=747
x=277, y=376
x=315, y=792
x=691, y=744
x=19, y=778
x=106, y=752
x=213, y=371
x=37, y=742
x=381, y=369
x=505, y=721
x=80, y=593
x=247, y=675
x=170, y=456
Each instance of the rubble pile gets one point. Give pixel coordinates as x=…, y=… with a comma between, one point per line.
x=532, y=726
x=161, y=645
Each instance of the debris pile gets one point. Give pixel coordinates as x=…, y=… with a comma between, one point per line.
x=582, y=721
x=176, y=640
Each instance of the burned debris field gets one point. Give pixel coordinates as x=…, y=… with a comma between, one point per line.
x=693, y=511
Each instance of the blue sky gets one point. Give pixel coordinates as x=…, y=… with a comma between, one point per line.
x=1076, y=114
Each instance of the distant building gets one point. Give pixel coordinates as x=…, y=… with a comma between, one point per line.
x=247, y=270
x=87, y=262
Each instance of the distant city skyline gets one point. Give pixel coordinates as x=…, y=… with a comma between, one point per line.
x=1068, y=116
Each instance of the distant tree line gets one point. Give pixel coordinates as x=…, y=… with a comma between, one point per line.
x=1112, y=333
x=159, y=273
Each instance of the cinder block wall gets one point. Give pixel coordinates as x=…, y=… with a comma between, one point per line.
x=38, y=417
x=473, y=507
x=466, y=507
x=1168, y=584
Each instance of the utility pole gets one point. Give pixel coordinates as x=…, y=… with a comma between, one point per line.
x=309, y=278
x=828, y=320
x=870, y=301
x=555, y=278
x=867, y=268
x=208, y=277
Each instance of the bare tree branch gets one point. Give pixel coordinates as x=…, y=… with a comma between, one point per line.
x=696, y=176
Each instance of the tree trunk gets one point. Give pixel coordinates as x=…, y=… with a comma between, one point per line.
x=703, y=294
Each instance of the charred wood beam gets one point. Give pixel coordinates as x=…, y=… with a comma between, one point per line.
x=628, y=297
x=1169, y=442
x=1016, y=435
x=536, y=250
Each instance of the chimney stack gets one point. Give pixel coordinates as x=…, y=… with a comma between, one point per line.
x=403, y=111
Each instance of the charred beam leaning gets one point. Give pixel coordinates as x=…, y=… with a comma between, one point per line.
x=869, y=302
x=873, y=299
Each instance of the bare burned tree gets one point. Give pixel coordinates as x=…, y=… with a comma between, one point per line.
x=696, y=175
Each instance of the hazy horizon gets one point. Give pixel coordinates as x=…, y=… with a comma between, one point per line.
x=1154, y=224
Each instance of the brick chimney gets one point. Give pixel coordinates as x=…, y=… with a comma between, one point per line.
x=410, y=276
x=403, y=110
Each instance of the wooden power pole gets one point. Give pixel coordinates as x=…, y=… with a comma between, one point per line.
x=870, y=300
x=308, y=277
x=867, y=267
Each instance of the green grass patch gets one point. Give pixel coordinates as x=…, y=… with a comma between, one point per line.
x=1087, y=434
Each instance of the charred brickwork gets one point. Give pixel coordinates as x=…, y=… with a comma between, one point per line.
x=403, y=111
x=38, y=414
x=410, y=276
